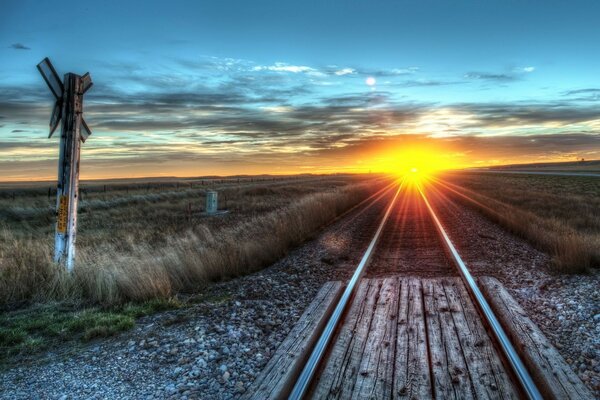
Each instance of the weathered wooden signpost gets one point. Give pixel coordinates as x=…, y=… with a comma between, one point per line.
x=68, y=108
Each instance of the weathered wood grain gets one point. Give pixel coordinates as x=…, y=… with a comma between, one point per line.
x=278, y=377
x=342, y=367
x=412, y=378
x=488, y=375
x=451, y=378
x=552, y=375
x=411, y=338
x=376, y=372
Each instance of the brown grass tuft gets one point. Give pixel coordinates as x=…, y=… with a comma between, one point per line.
x=142, y=261
x=554, y=214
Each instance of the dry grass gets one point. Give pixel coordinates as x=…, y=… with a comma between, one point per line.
x=560, y=215
x=148, y=245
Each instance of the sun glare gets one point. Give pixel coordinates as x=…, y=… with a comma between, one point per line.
x=418, y=163
x=415, y=162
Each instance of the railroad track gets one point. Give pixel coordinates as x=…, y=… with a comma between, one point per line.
x=399, y=242
x=411, y=323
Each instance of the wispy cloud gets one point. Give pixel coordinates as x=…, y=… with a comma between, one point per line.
x=345, y=71
x=425, y=83
x=493, y=77
x=588, y=94
x=19, y=46
x=391, y=72
x=283, y=67
x=511, y=75
x=235, y=111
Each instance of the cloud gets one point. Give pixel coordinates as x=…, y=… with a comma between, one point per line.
x=492, y=77
x=345, y=71
x=26, y=146
x=518, y=114
x=500, y=77
x=381, y=73
x=404, y=71
x=480, y=149
x=233, y=111
x=582, y=91
x=335, y=70
x=589, y=94
x=425, y=83
x=19, y=46
x=283, y=67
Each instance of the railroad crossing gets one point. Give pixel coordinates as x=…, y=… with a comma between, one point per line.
x=444, y=334
x=68, y=110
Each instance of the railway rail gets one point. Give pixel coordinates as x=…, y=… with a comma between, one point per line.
x=392, y=241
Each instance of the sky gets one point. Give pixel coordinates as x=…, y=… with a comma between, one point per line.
x=191, y=88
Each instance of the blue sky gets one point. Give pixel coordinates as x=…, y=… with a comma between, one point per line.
x=193, y=88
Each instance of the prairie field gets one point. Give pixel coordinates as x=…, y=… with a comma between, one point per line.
x=145, y=241
x=592, y=166
x=140, y=244
x=558, y=214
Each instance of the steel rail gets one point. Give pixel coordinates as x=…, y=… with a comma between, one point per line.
x=306, y=376
x=513, y=358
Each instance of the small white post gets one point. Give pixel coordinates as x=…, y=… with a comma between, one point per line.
x=211, y=202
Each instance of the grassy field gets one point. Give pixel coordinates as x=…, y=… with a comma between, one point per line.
x=573, y=166
x=558, y=214
x=141, y=244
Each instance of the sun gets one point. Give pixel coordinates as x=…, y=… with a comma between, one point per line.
x=413, y=175
x=415, y=162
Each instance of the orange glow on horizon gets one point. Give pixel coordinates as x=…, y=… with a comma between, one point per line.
x=416, y=162
x=417, y=157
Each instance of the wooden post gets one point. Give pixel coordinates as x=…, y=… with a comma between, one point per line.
x=68, y=109
x=68, y=172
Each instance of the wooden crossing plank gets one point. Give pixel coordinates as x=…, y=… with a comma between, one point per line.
x=488, y=375
x=450, y=374
x=412, y=338
x=342, y=367
x=277, y=378
x=376, y=373
x=552, y=375
x=412, y=379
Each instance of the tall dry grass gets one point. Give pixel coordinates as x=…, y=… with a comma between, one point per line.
x=114, y=271
x=556, y=215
